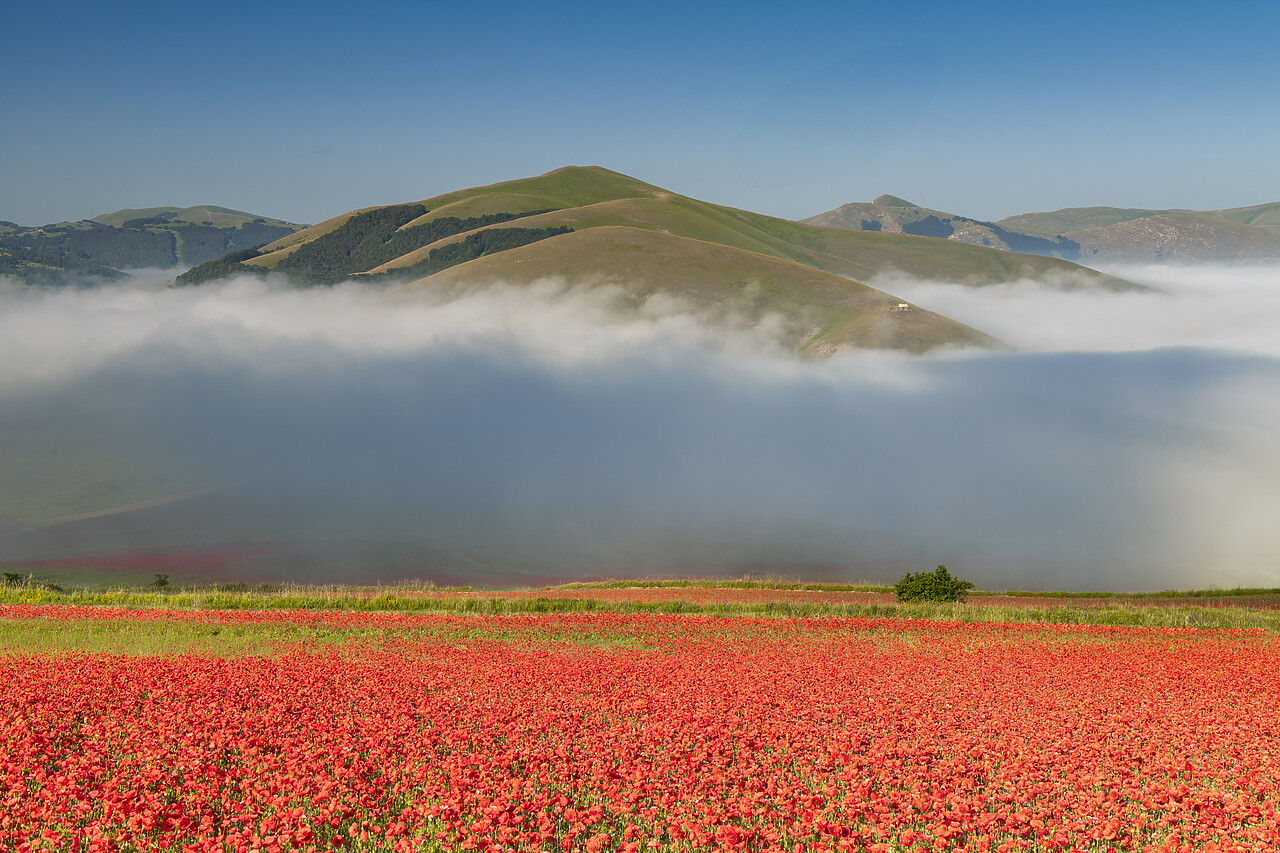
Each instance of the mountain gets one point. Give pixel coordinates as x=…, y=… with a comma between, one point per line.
x=1115, y=234
x=1093, y=235
x=893, y=215
x=204, y=214
x=590, y=225
x=37, y=269
x=822, y=313
x=1091, y=218
x=1178, y=238
x=91, y=250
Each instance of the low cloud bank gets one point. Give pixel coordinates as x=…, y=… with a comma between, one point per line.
x=1228, y=308
x=1128, y=443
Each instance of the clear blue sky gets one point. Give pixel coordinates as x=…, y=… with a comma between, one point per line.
x=306, y=110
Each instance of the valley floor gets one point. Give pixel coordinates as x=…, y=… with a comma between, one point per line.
x=171, y=724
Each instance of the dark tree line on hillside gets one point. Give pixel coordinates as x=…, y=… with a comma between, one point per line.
x=354, y=246
x=372, y=238
x=472, y=246
x=933, y=226
x=1063, y=247
x=155, y=244
x=929, y=226
x=144, y=221
x=224, y=267
x=38, y=270
x=469, y=248
x=254, y=234
x=200, y=243
x=117, y=247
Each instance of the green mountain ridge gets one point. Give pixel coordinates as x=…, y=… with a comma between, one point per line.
x=715, y=260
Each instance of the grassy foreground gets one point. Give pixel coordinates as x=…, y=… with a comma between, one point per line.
x=610, y=733
x=1233, y=609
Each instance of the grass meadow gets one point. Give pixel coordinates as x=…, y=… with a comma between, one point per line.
x=675, y=716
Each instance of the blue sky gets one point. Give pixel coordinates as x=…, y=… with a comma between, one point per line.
x=306, y=110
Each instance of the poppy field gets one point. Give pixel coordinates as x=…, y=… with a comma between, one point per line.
x=633, y=732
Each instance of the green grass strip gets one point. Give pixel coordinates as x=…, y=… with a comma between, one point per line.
x=1118, y=614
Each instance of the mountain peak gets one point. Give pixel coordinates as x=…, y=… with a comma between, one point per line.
x=893, y=201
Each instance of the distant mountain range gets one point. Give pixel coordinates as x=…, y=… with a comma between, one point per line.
x=96, y=250
x=588, y=225
x=1090, y=235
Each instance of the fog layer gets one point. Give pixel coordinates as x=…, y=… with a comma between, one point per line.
x=1127, y=443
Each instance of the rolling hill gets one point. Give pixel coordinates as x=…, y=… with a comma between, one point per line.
x=893, y=215
x=1091, y=235
x=1091, y=218
x=589, y=225
x=1114, y=234
x=94, y=250
x=1178, y=238
x=822, y=313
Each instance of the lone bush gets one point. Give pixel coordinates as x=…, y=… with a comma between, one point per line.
x=937, y=585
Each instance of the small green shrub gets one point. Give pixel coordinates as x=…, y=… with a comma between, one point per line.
x=18, y=580
x=937, y=585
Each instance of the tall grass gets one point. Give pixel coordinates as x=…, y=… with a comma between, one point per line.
x=1121, y=613
x=742, y=583
x=1237, y=592
x=161, y=637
